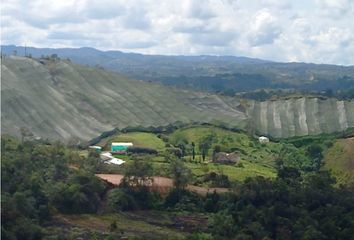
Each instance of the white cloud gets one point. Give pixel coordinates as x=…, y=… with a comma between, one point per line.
x=264, y=28
x=335, y=8
x=310, y=31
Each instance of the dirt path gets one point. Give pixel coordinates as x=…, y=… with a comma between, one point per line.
x=162, y=183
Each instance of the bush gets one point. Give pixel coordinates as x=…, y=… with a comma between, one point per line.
x=200, y=236
x=175, y=151
x=183, y=200
x=119, y=200
x=141, y=150
x=217, y=180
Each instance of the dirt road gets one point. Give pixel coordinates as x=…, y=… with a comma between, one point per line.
x=162, y=184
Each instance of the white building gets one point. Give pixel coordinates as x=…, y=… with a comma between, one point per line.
x=263, y=140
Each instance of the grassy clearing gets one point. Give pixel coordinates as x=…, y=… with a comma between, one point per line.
x=145, y=224
x=139, y=139
x=234, y=172
x=340, y=160
x=249, y=148
x=256, y=159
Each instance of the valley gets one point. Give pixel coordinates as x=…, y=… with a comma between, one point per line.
x=195, y=160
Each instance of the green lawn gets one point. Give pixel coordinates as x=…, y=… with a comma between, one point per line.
x=250, y=149
x=139, y=139
x=257, y=159
x=234, y=172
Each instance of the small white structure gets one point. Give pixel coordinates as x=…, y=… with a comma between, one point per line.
x=116, y=161
x=97, y=148
x=263, y=140
x=120, y=147
x=108, y=158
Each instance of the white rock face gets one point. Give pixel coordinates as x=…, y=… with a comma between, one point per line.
x=301, y=116
x=342, y=115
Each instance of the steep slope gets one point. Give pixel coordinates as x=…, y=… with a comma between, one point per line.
x=227, y=74
x=59, y=100
x=300, y=116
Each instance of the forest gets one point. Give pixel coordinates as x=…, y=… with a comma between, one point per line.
x=41, y=180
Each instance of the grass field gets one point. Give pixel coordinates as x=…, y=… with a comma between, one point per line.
x=234, y=172
x=340, y=160
x=145, y=224
x=256, y=159
x=139, y=139
x=250, y=149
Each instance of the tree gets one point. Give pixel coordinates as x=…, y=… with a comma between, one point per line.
x=205, y=144
x=193, y=150
x=138, y=174
x=180, y=174
x=119, y=200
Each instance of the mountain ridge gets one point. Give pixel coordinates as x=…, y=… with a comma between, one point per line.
x=57, y=99
x=218, y=74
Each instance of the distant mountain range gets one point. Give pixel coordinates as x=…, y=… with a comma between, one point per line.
x=57, y=99
x=225, y=74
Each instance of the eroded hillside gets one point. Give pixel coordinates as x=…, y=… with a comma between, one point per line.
x=60, y=100
x=56, y=99
x=301, y=116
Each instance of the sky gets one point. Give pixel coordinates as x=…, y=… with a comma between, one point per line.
x=318, y=31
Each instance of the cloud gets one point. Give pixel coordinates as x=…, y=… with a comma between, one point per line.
x=196, y=9
x=264, y=28
x=103, y=9
x=318, y=31
x=335, y=8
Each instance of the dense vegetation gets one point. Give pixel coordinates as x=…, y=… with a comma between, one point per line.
x=36, y=182
x=42, y=181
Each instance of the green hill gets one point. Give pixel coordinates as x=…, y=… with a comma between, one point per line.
x=256, y=159
x=139, y=139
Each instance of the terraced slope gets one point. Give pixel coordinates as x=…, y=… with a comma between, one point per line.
x=60, y=100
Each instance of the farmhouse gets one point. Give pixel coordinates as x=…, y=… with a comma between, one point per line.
x=226, y=158
x=120, y=147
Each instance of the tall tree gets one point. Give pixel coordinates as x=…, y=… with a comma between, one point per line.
x=180, y=174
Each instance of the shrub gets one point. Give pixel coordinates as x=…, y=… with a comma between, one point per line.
x=141, y=150
x=119, y=200
x=175, y=151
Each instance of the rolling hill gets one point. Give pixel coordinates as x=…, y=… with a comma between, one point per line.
x=57, y=99
x=228, y=74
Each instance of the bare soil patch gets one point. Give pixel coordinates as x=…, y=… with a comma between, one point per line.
x=162, y=184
